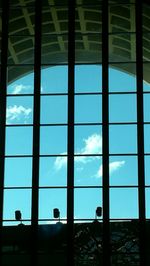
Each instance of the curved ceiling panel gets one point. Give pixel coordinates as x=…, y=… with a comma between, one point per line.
x=88, y=34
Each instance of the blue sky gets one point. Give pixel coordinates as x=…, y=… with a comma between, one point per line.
x=88, y=141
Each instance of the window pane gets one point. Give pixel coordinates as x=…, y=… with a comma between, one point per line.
x=146, y=86
x=18, y=172
x=18, y=140
x=123, y=139
x=122, y=108
x=121, y=16
x=120, y=78
x=91, y=14
x=90, y=3
x=50, y=199
x=17, y=3
x=146, y=44
x=121, y=1
x=53, y=109
x=88, y=171
x=11, y=203
x=126, y=236
x=122, y=47
x=84, y=81
x=146, y=78
x=92, y=196
x=147, y=170
x=19, y=258
x=123, y=203
x=54, y=79
x=123, y=170
x=88, y=241
x=146, y=107
x=53, y=140
x=145, y=13
x=24, y=50
x=20, y=80
x=88, y=140
x=19, y=110
x=88, y=47
x=58, y=10
x=125, y=259
x=88, y=109
x=0, y=39
x=20, y=16
x=146, y=138
x=125, y=242
x=53, y=171
x=147, y=194
x=54, y=46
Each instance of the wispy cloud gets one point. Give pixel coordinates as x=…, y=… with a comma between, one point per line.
x=91, y=145
x=17, y=113
x=19, y=88
x=113, y=166
x=60, y=162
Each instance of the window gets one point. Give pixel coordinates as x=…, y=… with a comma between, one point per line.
x=74, y=125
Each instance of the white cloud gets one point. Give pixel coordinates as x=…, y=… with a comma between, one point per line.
x=112, y=168
x=115, y=166
x=17, y=113
x=92, y=145
x=18, y=88
x=60, y=162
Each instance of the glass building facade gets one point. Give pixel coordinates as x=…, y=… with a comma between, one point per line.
x=74, y=132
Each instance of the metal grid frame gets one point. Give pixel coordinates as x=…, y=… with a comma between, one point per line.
x=71, y=123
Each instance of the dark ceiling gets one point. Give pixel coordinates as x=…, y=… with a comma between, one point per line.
x=122, y=41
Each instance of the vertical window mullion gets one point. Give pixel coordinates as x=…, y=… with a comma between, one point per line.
x=105, y=135
x=140, y=131
x=70, y=148
x=36, y=130
x=3, y=92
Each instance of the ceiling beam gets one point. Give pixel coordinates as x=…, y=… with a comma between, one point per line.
x=57, y=25
x=83, y=25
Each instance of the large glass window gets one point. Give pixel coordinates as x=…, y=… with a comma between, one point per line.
x=75, y=127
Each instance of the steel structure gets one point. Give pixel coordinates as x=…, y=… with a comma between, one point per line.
x=40, y=34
